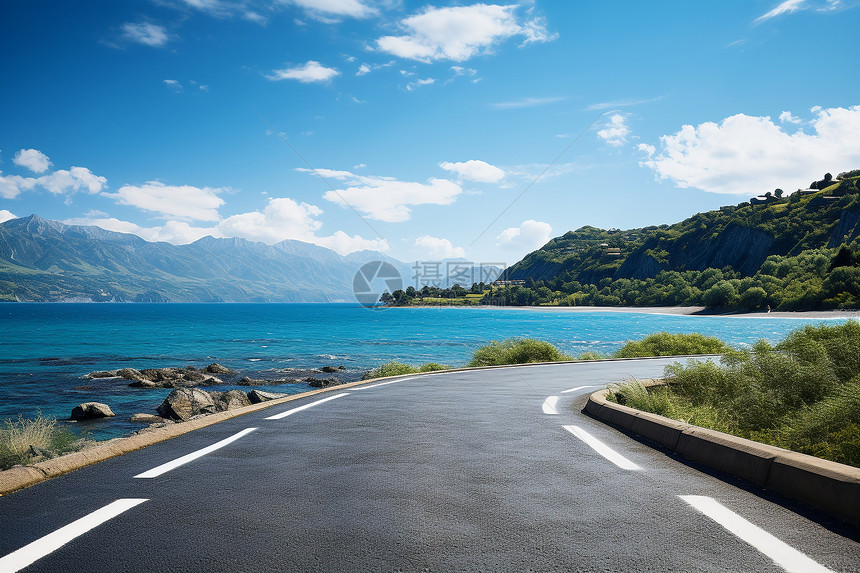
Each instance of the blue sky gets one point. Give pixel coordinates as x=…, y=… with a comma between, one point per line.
x=423, y=130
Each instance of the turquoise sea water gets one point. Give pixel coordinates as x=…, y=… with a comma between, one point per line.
x=46, y=349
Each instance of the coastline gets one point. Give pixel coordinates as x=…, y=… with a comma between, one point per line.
x=667, y=310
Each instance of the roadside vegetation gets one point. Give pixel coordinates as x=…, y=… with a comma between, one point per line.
x=802, y=394
x=395, y=368
x=665, y=344
x=26, y=441
x=517, y=351
x=530, y=350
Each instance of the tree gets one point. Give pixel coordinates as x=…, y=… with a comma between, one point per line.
x=753, y=297
x=778, y=193
x=721, y=294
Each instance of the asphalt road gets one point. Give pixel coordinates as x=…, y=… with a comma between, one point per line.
x=469, y=471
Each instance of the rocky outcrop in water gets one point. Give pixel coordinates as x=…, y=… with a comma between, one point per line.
x=323, y=382
x=165, y=377
x=257, y=396
x=91, y=411
x=184, y=403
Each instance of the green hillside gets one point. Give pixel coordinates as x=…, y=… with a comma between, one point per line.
x=789, y=253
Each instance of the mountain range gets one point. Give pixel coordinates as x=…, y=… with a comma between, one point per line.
x=43, y=260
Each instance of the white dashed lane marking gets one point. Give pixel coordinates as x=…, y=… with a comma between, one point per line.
x=782, y=554
x=164, y=468
x=602, y=448
x=383, y=384
x=549, y=405
x=577, y=388
x=306, y=406
x=34, y=551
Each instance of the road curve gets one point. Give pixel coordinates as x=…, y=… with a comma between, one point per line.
x=482, y=470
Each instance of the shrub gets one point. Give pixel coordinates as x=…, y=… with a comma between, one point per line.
x=665, y=344
x=517, y=351
x=802, y=394
x=26, y=441
x=395, y=368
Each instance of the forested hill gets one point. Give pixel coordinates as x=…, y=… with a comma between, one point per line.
x=792, y=240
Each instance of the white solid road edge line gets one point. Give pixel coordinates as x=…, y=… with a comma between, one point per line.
x=602, y=448
x=306, y=406
x=383, y=384
x=164, y=468
x=34, y=551
x=549, y=405
x=782, y=554
x=575, y=389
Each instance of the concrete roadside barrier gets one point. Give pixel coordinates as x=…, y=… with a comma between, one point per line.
x=826, y=485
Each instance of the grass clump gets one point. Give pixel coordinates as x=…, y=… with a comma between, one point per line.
x=802, y=394
x=517, y=351
x=25, y=441
x=665, y=344
x=395, y=368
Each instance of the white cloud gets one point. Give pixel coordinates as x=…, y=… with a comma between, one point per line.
x=12, y=185
x=620, y=103
x=145, y=33
x=475, y=170
x=786, y=7
x=749, y=155
x=385, y=198
x=436, y=248
x=461, y=71
x=526, y=102
x=615, y=131
x=531, y=173
x=351, y=8
x=787, y=117
x=792, y=6
x=175, y=232
x=6, y=216
x=411, y=86
x=76, y=178
x=529, y=235
x=309, y=72
x=32, y=159
x=173, y=84
x=57, y=182
x=460, y=32
x=362, y=70
x=281, y=219
x=284, y=218
x=183, y=202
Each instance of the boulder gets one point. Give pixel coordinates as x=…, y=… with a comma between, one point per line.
x=257, y=396
x=217, y=369
x=322, y=382
x=185, y=403
x=130, y=374
x=328, y=369
x=145, y=384
x=145, y=419
x=173, y=378
x=233, y=399
x=91, y=411
x=102, y=374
